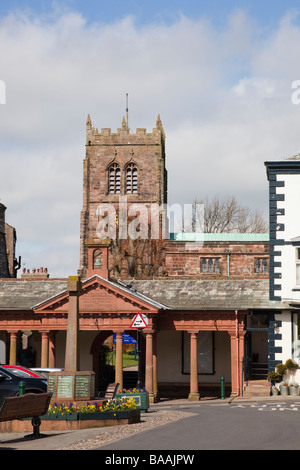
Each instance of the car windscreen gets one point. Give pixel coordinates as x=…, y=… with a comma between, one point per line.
x=19, y=372
x=23, y=373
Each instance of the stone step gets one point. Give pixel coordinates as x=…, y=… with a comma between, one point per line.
x=257, y=388
x=259, y=371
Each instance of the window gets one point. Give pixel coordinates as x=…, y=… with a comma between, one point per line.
x=97, y=259
x=210, y=265
x=131, y=179
x=261, y=265
x=298, y=266
x=296, y=337
x=114, y=176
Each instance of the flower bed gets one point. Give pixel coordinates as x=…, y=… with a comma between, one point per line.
x=116, y=407
x=70, y=417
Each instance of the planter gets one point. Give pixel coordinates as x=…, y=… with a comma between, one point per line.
x=294, y=390
x=274, y=390
x=52, y=422
x=128, y=414
x=101, y=415
x=60, y=417
x=284, y=390
x=141, y=399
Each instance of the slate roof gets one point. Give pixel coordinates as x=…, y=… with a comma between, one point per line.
x=18, y=294
x=209, y=295
x=22, y=294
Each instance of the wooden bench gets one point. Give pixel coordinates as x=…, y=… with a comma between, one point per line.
x=30, y=405
x=110, y=392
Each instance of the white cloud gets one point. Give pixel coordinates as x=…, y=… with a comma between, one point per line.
x=224, y=96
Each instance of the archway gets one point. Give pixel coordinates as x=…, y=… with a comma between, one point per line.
x=103, y=374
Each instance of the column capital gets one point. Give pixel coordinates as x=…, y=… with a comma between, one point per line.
x=12, y=332
x=233, y=333
x=118, y=331
x=193, y=332
x=149, y=332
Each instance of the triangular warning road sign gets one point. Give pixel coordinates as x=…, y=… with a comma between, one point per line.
x=138, y=322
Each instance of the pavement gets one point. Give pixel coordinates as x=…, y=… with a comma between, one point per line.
x=54, y=440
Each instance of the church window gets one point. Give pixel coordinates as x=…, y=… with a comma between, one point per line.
x=114, y=175
x=131, y=179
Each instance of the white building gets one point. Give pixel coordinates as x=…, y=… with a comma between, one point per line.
x=284, y=206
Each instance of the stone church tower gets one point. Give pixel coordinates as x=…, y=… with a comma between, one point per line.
x=122, y=167
x=8, y=263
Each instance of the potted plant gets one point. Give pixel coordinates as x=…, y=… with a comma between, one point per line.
x=294, y=389
x=274, y=377
x=281, y=369
x=284, y=388
x=291, y=367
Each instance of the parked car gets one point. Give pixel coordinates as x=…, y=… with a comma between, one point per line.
x=44, y=371
x=23, y=371
x=9, y=383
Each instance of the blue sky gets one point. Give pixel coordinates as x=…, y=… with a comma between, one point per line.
x=219, y=73
x=267, y=12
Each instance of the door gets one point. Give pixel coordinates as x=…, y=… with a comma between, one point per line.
x=256, y=346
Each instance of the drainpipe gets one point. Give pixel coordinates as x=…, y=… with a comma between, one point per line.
x=228, y=263
x=237, y=353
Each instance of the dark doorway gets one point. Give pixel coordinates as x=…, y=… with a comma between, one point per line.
x=256, y=347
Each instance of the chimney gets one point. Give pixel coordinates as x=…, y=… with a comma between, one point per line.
x=35, y=274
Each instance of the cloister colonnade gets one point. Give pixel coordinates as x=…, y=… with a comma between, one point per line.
x=108, y=307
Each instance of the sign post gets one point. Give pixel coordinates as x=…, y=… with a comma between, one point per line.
x=139, y=322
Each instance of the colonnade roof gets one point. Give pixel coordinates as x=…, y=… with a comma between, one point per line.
x=161, y=294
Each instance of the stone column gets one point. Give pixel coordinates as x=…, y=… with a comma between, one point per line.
x=237, y=346
x=149, y=366
x=51, y=361
x=13, y=349
x=45, y=349
x=72, y=346
x=119, y=359
x=194, y=392
x=155, y=388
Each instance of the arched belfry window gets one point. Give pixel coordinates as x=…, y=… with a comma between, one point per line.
x=114, y=179
x=131, y=179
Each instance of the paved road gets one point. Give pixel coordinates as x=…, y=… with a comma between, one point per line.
x=261, y=426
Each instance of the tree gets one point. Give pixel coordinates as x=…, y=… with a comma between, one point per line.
x=226, y=216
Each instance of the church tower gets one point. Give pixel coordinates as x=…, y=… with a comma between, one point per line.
x=120, y=170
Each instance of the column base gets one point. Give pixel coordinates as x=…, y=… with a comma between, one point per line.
x=156, y=397
x=152, y=398
x=194, y=396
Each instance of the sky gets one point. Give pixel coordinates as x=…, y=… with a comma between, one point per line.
x=219, y=73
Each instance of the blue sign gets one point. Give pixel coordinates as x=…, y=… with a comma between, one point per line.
x=127, y=339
